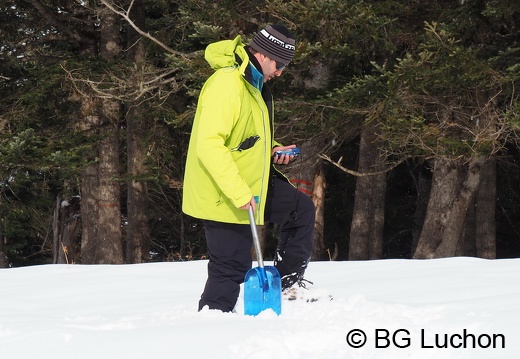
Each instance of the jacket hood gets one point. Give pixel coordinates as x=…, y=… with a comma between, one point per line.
x=222, y=54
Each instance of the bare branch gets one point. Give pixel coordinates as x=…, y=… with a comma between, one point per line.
x=356, y=173
x=125, y=89
x=124, y=15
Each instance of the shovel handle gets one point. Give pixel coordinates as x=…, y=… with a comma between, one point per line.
x=256, y=241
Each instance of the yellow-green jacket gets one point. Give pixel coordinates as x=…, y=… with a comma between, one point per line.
x=229, y=154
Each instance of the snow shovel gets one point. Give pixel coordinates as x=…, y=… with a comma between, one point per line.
x=262, y=285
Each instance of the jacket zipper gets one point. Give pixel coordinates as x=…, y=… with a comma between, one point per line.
x=258, y=97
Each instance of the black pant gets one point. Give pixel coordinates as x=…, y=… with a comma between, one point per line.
x=229, y=245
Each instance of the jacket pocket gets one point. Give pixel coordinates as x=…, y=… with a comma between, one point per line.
x=247, y=143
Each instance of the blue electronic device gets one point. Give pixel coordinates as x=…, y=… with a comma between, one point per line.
x=291, y=152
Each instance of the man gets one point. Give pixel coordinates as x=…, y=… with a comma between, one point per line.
x=230, y=167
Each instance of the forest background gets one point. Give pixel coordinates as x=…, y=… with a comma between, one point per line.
x=407, y=114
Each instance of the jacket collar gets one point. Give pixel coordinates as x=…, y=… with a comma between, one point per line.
x=257, y=77
x=248, y=76
x=253, y=60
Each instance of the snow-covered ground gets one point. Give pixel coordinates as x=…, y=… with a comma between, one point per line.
x=403, y=308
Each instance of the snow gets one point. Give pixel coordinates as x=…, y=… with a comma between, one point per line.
x=149, y=311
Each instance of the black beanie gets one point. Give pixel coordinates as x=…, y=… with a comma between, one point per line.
x=275, y=42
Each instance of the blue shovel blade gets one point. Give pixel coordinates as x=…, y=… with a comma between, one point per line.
x=262, y=290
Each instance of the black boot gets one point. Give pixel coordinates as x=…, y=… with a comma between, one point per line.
x=291, y=269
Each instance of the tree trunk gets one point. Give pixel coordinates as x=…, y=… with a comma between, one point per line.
x=305, y=173
x=138, y=233
x=466, y=246
x=423, y=187
x=56, y=232
x=318, y=197
x=4, y=261
x=110, y=246
x=366, y=234
x=66, y=230
x=485, y=212
x=89, y=203
x=109, y=241
x=453, y=189
x=102, y=239
x=479, y=238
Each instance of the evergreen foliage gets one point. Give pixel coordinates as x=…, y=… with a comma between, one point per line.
x=440, y=78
